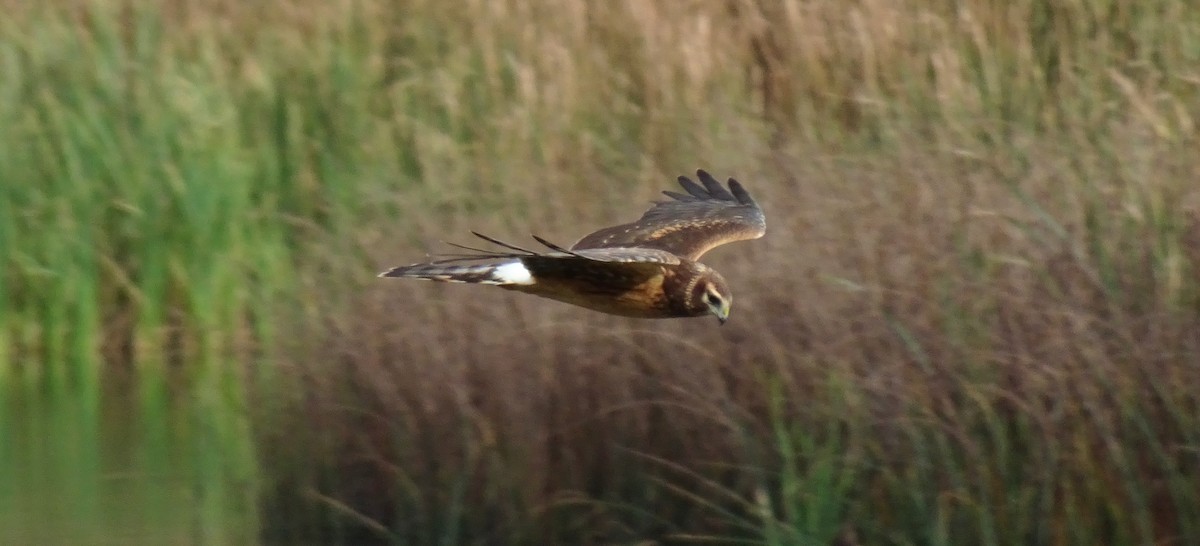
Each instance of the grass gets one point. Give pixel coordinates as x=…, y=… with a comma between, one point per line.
x=973, y=319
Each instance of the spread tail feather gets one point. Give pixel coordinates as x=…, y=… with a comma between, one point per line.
x=501, y=273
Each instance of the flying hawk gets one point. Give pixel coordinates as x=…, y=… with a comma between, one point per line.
x=644, y=269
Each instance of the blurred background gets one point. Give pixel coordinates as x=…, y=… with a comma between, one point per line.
x=975, y=317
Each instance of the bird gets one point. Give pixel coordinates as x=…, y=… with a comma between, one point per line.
x=647, y=268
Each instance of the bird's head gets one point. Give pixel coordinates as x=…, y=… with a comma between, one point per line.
x=712, y=294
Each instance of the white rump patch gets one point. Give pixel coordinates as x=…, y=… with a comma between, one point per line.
x=512, y=273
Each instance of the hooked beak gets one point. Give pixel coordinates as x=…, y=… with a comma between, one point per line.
x=722, y=315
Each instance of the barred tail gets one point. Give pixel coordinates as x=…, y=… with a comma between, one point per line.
x=510, y=272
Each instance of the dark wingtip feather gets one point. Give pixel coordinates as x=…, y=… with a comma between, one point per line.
x=693, y=188
x=714, y=187
x=555, y=247
x=502, y=243
x=678, y=196
x=740, y=193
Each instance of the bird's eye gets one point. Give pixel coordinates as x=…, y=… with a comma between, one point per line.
x=710, y=299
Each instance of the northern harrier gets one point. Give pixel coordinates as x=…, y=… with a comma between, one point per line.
x=644, y=269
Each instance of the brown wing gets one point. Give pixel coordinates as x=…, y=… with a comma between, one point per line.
x=688, y=225
x=480, y=263
x=623, y=254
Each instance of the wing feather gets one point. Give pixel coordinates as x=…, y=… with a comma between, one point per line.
x=607, y=255
x=689, y=224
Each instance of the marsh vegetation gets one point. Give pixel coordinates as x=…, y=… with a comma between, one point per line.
x=975, y=318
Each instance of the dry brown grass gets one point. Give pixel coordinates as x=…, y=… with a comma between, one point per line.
x=908, y=308
x=976, y=323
